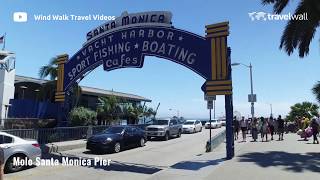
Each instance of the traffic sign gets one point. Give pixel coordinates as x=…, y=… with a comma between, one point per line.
x=210, y=97
x=252, y=98
x=210, y=104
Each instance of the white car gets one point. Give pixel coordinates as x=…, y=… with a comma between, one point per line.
x=192, y=126
x=223, y=122
x=19, y=149
x=214, y=124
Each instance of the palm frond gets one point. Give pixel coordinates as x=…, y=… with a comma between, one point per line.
x=278, y=5
x=316, y=91
x=298, y=34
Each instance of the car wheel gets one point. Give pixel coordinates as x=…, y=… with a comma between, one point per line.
x=194, y=130
x=142, y=142
x=166, y=136
x=117, y=147
x=179, y=133
x=10, y=167
x=200, y=129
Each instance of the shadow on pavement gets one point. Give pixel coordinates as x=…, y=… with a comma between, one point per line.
x=197, y=165
x=290, y=161
x=114, y=165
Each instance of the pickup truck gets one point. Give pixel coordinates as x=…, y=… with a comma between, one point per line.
x=164, y=128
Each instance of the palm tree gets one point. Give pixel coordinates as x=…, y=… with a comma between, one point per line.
x=108, y=109
x=304, y=109
x=316, y=91
x=50, y=69
x=298, y=34
x=150, y=112
x=48, y=89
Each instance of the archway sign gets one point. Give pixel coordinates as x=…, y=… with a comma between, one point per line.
x=126, y=40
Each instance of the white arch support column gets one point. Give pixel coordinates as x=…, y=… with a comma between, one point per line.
x=7, y=77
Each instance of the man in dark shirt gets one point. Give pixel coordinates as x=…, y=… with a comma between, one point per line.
x=280, y=128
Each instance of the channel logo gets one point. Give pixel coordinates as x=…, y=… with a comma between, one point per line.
x=20, y=17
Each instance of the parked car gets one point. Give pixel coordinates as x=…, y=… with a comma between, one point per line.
x=16, y=147
x=116, y=139
x=164, y=128
x=192, y=126
x=214, y=124
x=223, y=122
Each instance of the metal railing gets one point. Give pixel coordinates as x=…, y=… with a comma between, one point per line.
x=48, y=135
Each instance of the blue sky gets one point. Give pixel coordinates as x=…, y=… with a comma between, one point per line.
x=278, y=79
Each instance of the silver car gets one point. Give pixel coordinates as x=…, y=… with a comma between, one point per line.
x=19, y=149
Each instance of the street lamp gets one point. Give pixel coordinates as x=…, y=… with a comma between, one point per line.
x=37, y=93
x=252, y=97
x=23, y=89
x=176, y=110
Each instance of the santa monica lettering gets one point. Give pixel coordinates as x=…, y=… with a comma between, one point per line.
x=128, y=19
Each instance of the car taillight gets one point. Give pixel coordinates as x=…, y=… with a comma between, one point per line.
x=36, y=145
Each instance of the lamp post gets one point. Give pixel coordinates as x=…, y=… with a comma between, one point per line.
x=37, y=93
x=23, y=89
x=252, y=98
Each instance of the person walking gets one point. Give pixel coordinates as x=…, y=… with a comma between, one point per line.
x=280, y=128
x=264, y=129
x=243, y=126
x=260, y=127
x=318, y=119
x=254, y=129
x=236, y=128
x=305, y=128
x=271, y=127
x=315, y=131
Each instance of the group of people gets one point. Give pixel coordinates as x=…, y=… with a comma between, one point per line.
x=261, y=125
x=275, y=126
x=308, y=128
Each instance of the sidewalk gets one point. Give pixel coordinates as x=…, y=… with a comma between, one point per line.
x=289, y=159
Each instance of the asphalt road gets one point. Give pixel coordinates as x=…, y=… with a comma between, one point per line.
x=138, y=163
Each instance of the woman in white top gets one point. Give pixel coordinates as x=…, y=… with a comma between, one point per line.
x=243, y=126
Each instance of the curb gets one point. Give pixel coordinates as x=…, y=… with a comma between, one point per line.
x=216, y=141
x=58, y=147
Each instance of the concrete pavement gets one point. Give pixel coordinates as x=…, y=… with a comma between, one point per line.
x=139, y=163
x=184, y=158
x=290, y=159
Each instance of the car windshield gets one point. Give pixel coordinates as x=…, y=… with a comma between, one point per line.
x=189, y=122
x=212, y=121
x=161, y=122
x=113, y=130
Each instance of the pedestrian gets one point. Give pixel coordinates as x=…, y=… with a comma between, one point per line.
x=236, y=128
x=264, y=129
x=243, y=126
x=260, y=127
x=318, y=119
x=315, y=130
x=271, y=127
x=280, y=128
x=305, y=128
x=1, y=163
x=254, y=129
x=248, y=122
